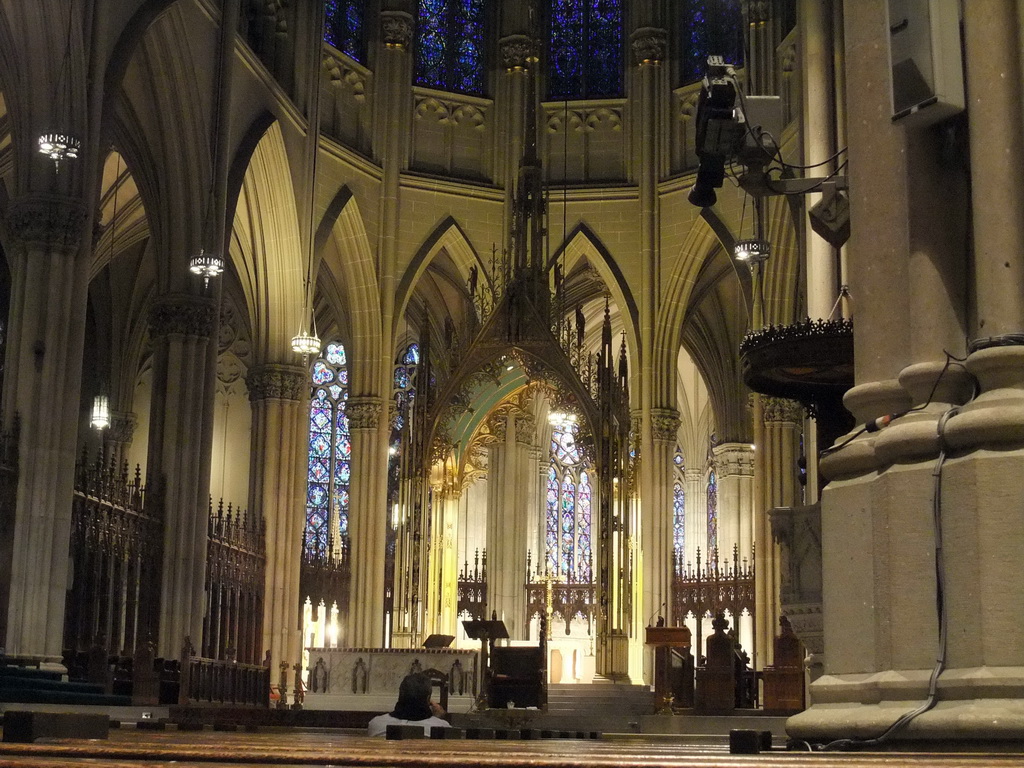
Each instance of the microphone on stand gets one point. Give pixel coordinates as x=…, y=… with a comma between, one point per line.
x=665, y=603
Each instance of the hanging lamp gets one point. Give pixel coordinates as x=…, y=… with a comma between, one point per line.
x=59, y=144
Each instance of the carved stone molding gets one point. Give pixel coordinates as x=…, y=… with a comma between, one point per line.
x=781, y=409
x=649, y=45
x=516, y=52
x=665, y=425
x=498, y=426
x=122, y=427
x=277, y=382
x=364, y=412
x=47, y=221
x=396, y=28
x=183, y=315
x=734, y=459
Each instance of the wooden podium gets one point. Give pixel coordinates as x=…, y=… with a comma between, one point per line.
x=486, y=632
x=673, y=666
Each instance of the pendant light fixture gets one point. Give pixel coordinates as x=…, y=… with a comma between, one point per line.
x=306, y=342
x=59, y=144
x=100, y=412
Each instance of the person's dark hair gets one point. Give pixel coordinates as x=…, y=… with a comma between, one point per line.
x=413, y=698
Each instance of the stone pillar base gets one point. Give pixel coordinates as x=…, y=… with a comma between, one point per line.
x=983, y=704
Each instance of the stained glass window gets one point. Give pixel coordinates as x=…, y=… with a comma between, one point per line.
x=450, y=45
x=709, y=28
x=585, y=49
x=344, y=27
x=678, y=519
x=404, y=395
x=569, y=502
x=712, y=513
x=330, y=455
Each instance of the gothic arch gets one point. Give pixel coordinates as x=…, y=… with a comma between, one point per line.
x=449, y=237
x=345, y=258
x=583, y=243
x=266, y=249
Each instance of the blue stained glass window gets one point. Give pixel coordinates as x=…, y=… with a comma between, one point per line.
x=712, y=513
x=330, y=450
x=450, y=46
x=412, y=355
x=709, y=28
x=568, y=525
x=679, y=519
x=344, y=27
x=585, y=49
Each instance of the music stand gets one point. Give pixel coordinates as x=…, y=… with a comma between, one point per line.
x=486, y=631
x=438, y=641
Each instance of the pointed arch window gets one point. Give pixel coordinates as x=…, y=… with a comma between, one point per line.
x=450, y=45
x=678, y=506
x=709, y=28
x=585, y=49
x=712, y=512
x=404, y=389
x=330, y=455
x=344, y=27
x=569, y=506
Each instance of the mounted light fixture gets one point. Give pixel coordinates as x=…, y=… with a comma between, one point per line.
x=100, y=412
x=60, y=145
x=752, y=251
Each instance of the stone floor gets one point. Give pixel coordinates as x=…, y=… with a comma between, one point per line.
x=280, y=747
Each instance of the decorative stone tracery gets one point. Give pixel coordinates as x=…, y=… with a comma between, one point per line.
x=278, y=382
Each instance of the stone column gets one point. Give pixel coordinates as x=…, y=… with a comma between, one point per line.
x=695, y=523
x=367, y=521
x=279, y=396
x=45, y=338
x=521, y=488
x=879, y=535
x=502, y=554
x=777, y=426
x=735, y=464
x=181, y=328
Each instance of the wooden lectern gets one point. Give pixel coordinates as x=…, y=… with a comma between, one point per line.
x=486, y=632
x=673, y=667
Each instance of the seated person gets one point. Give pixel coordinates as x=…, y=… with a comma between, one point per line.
x=414, y=707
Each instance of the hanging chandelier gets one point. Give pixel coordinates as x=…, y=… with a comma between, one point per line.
x=59, y=146
x=306, y=343
x=752, y=251
x=206, y=265
x=100, y=412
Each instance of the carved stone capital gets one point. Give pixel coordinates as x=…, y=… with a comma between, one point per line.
x=274, y=381
x=47, y=221
x=498, y=427
x=396, y=28
x=516, y=52
x=665, y=425
x=781, y=409
x=364, y=412
x=734, y=460
x=526, y=429
x=182, y=314
x=122, y=427
x=649, y=45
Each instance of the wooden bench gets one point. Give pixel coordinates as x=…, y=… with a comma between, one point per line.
x=25, y=727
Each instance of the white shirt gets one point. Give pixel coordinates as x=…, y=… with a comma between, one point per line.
x=379, y=725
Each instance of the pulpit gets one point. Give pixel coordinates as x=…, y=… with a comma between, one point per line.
x=673, y=666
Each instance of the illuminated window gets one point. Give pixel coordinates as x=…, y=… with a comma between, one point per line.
x=330, y=455
x=679, y=506
x=569, y=503
x=584, y=49
x=450, y=45
x=344, y=27
x=712, y=512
